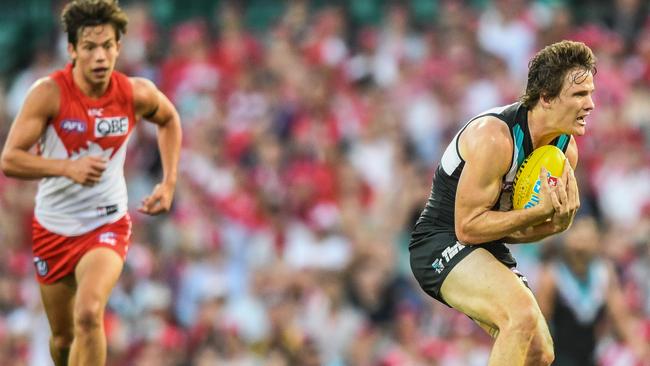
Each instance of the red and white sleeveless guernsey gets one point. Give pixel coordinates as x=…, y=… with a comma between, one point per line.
x=86, y=126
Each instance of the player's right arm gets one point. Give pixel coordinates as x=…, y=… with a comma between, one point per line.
x=40, y=106
x=486, y=147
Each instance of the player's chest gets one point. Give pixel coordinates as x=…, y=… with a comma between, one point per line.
x=107, y=124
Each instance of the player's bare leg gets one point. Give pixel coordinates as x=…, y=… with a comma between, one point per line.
x=487, y=291
x=96, y=275
x=58, y=300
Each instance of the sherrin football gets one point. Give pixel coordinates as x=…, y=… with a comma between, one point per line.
x=527, y=184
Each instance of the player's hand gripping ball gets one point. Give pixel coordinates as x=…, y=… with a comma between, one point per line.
x=527, y=184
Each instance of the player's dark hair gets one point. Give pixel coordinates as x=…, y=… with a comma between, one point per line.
x=79, y=14
x=550, y=66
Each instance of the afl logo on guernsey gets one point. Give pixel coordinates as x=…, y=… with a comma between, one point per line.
x=73, y=125
x=41, y=266
x=111, y=126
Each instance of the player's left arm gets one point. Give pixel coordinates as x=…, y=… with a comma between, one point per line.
x=152, y=105
x=563, y=218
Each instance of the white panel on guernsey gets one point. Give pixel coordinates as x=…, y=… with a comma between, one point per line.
x=66, y=208
x=450, y=159
x=51, y=145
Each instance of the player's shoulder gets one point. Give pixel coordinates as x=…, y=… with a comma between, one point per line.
x=145, y=94
x=144, y=89
x=490, y=130
x=44, y=95
x=140, y=83
x=486, y=137
x=45, y=86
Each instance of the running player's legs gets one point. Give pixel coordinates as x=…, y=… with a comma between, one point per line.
x=96, y=275
x=486, y=290
x=58, y=300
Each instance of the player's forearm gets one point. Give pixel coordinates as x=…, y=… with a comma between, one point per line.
x=532, y=233
x=169, y=144
x=22, y=164
x=496, y=225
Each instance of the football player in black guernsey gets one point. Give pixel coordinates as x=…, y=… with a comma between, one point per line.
x=457, y=250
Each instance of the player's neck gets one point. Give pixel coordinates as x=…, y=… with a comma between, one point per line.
x=87, y=88
x=579, y=268
x=541, y=131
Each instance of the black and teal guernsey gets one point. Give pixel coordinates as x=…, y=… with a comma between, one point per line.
x=438, y=214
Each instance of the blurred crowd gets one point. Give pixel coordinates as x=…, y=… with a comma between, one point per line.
x=308, y=154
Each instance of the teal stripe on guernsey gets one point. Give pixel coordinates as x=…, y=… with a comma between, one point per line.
x=562, y=142
x=519, y=140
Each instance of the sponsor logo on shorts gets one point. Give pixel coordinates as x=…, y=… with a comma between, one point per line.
x=450, y=252
x=41, y=266
x=108, y=237
x=73, y=125
x=111, y=126
x=438, y=266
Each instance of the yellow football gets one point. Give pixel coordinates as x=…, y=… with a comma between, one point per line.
x=527, y=184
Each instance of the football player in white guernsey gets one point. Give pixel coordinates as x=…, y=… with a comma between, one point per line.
x=457, y=248
x=81, y=154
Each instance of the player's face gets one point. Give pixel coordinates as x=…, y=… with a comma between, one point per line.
x=574, y=103
x=95, y=53
x=581, y=242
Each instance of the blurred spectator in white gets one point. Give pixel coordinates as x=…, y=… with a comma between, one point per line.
x=374, y=153
x=317, y=244
x=622, y=183
x=203, y=278
x=43, y=63
x=330, y=320
x=397, y=44
x=505, y=31
x=324, y=44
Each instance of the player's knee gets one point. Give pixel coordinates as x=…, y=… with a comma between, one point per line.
x=529, y=323
x=541, y=354
x=544, y=344
x=62, y=341
x=523, y=319
x=547, y=355
x=88, y=315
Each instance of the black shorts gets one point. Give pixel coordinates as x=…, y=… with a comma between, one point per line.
x=434, y=254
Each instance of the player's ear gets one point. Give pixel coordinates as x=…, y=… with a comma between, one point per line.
x=72, y=51
x=545, y=100
x=118, y=46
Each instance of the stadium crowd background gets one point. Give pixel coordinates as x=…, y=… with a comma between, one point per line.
x=311, y=131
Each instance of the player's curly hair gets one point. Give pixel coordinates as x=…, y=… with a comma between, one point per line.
x=79, y=14
x=548, y=69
